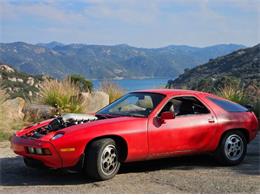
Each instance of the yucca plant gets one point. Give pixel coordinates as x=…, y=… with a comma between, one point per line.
x=233, y=93
x=64, y=95
x=112, y=89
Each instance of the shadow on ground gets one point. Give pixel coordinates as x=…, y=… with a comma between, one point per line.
x=14, y=172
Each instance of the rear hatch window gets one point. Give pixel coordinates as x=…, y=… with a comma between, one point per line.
x=228, y=105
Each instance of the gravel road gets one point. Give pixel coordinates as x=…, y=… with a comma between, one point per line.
x=196, y=174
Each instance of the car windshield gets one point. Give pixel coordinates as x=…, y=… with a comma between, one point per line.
x=136, y=104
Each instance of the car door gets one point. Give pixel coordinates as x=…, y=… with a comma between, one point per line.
x=188, y=132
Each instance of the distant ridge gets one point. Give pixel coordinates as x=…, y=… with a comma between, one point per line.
x=107, y=62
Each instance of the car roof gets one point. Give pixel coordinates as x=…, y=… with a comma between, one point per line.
x=172, y=92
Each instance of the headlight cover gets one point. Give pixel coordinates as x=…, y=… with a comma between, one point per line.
x=57, y=136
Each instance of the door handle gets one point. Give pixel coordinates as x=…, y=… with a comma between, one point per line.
x=211, y=120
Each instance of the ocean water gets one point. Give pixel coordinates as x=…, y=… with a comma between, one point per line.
x=135, y=84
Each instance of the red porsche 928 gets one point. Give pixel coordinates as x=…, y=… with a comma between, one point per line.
x=139, y=126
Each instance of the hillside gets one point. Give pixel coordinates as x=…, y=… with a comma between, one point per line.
x=99, y=61
x=243, y=64
x=18, y=84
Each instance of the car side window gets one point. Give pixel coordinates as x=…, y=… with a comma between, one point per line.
x=185, y=105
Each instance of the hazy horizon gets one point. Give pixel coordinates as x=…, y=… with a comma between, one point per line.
x=89, y=44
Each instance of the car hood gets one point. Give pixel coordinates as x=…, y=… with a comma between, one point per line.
x=122, y=122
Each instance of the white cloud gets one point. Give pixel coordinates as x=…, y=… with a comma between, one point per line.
x=142, y=23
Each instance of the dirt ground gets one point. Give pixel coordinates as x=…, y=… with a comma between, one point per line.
x=194, y=174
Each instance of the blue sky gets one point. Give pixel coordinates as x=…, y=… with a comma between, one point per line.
x=151, y=23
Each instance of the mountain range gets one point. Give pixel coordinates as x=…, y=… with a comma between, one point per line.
x=108, y=62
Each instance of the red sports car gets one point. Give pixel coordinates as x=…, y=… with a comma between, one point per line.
x=141, y=125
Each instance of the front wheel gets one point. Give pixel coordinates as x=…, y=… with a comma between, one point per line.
x=232, y=148
x=102, y=159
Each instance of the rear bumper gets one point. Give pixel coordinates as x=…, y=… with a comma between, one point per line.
x=19, y=144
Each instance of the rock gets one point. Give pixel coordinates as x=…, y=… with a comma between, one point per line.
x=95, y=101
x=6, y=68
x=38, y=111
x=16, y=89
x=45, y=77
x=30, y=81
x=15, y=107
x=19, y=80
x=12, y=79
x=30, y=93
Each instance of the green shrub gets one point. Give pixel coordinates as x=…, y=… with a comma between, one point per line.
x=233, y=93
x=64, y=95
x=5, y=135
x=82, y=83
x=113, y=90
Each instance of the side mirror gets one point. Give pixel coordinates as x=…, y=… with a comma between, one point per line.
x=167, y=116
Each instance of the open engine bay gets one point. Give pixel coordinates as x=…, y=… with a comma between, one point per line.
x=61, y=122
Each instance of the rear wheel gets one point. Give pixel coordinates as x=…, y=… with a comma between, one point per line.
x=232, y=148
x=102, y=159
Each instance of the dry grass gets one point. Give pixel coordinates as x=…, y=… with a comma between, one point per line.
x=61, y=94
x=112, y=89
x=233, y=93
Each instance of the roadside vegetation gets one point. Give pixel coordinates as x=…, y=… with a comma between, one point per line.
x=112, y=89
x=241, y=95
x=80, y=81
x=64, y=95
x=234, y=93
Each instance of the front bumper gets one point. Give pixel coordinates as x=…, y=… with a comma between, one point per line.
x=19, y=145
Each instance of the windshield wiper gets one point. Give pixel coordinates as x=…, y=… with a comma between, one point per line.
x=112, y=115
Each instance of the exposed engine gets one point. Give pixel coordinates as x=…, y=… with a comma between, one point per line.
x=61, y=122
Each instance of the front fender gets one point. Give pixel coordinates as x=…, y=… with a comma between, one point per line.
x=72, y=145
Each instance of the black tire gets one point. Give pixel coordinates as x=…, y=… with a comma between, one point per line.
x=99, y=161
x=224, y=152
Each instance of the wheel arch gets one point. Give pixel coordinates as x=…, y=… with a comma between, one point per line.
x=120, y=141
x=242, y=130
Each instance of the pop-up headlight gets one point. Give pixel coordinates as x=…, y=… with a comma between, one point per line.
x=57, y=136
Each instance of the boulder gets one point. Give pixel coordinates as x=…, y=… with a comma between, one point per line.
x=19, y=80
x=35, y=112
x=12, y=79
x=30, y=93
x=15, y=107
x=30, y=81
x=95, y=101
x=6, y=68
